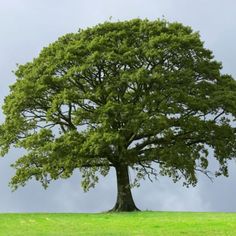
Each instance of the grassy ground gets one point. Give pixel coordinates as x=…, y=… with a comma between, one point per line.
x=142, y=223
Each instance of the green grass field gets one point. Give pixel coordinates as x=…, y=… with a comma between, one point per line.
x=141, y=223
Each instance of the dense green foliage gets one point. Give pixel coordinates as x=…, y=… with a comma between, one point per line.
x=131, y=224
x=140, y=94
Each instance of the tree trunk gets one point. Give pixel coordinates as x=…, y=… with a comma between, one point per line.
x=124, y=200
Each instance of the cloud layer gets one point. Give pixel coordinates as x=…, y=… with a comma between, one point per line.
x=27, y=26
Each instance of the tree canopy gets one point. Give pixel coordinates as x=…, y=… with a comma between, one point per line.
x=137, y=94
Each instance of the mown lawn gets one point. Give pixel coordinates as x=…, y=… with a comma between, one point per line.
x=142, y=223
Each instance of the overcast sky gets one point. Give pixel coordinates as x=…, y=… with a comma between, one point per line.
x=28, y=25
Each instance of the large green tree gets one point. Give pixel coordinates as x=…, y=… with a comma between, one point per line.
x=142, y=95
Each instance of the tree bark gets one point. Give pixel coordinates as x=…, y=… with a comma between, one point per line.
x=124, y=201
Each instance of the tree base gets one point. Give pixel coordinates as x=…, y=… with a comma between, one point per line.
x=124, y=208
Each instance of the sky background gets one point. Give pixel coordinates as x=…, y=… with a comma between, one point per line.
x=28, y=25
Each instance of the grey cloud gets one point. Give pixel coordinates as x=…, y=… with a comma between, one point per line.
x=27, y=26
